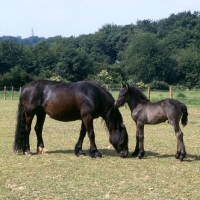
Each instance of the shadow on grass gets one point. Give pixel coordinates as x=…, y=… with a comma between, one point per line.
x=188, y=158
x=104, y=152
x=113, y=153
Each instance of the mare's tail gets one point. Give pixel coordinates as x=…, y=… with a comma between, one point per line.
x=19, y=140
x=184, y=118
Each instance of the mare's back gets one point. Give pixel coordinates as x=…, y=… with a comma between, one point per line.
x=74, y=94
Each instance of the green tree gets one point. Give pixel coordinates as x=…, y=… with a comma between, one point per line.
x=190, y=65
x=17, y=77
x=103, y=78
x=74, y=65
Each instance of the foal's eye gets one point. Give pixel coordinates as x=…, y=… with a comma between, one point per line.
x=124, y=94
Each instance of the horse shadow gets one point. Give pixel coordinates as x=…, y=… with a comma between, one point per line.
x=188, y=158
x=113, y=153
x=104, y=152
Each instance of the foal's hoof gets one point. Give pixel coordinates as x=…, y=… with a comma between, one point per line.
x=95, y=154
x=41, y=150
x=177, y=155
x=180, y=156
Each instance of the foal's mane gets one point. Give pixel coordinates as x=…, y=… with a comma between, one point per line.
x=138, y=94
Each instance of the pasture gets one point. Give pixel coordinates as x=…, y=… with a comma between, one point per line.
x=61, y=175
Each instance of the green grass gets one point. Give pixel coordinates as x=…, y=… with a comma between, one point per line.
x=61, y=175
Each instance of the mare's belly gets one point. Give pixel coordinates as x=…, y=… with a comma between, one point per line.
x=62, y=112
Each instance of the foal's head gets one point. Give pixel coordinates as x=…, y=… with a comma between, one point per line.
x=123, y=96
x=130, y=94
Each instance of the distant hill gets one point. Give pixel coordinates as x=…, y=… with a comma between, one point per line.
x=26, y=41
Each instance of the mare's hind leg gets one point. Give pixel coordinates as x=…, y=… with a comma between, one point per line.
x=88, y=121
x=181, y=153
x=78, y=147
x=38, y=129
x=28, y=121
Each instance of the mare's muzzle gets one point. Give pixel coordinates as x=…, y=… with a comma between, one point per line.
x=123, y=154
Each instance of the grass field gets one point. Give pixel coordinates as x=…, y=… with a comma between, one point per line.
x=61, y=175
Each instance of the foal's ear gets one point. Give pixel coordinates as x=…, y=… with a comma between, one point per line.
x=127, y=86
x=123, y=85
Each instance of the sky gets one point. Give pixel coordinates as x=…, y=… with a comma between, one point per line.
x=50, y=18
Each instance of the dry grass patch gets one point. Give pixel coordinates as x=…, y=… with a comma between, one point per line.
x=61, y=175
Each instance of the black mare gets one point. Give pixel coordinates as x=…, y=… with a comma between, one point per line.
x=82, y=100
x=145, y=112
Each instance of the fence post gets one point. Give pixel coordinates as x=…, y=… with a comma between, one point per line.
x=149, y=93
x=20, y=90
x=170, y=92
x=4, y=92
x=12, y=92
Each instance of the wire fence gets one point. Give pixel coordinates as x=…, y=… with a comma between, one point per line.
x=189, y=97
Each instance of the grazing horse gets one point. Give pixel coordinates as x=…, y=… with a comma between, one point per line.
x=145, y=112
x=83, y=100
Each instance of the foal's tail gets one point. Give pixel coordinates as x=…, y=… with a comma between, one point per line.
x=19, y=140
x=184, y=118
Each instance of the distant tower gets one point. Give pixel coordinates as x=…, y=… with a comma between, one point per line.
x=32, y=32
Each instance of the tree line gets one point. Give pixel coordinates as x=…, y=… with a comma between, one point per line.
x=155, y=53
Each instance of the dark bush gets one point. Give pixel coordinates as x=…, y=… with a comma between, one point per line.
x=159, y=85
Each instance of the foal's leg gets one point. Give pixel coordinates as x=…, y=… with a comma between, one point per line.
x=136, y=151
x=181, y=153
x=88, y=121
x=38, y=129
x=78, y=147
x=139, y=149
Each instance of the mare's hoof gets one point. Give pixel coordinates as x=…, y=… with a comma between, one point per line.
x=134, y=154
x=95, y=154
x=140, y=155
x=41, y=150
x=80, y=153
x=28, y=153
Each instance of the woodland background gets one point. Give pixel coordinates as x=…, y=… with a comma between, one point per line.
x=154, y=53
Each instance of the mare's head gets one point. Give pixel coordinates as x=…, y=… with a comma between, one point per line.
x=117, y=131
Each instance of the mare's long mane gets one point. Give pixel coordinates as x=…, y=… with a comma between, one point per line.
x=138, y=94
x=108, y=93
x=114, y=118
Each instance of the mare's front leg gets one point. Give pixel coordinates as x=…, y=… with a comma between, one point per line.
x=139, y=148
x=78, y=147
x=88, y=121
x=38, y=129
